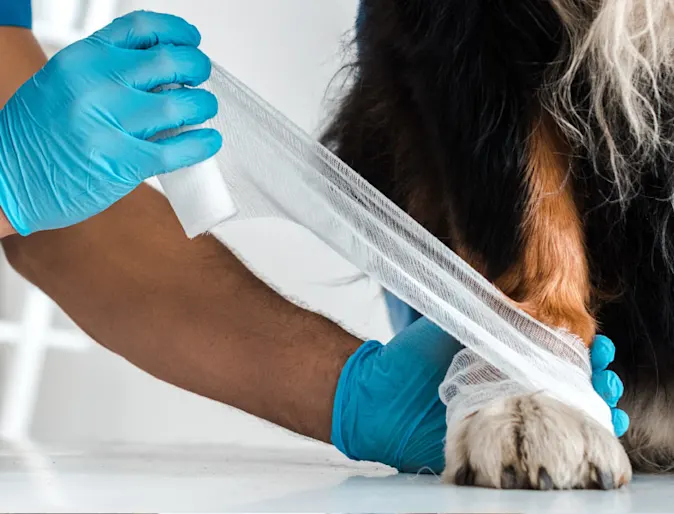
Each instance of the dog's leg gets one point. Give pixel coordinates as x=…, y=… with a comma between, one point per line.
x=440, y=120
x=551, y=279
x=535, y=441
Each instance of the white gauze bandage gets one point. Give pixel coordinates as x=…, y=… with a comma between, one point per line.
x=271, y=168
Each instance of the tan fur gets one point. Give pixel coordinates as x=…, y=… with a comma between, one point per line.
x=551, y=280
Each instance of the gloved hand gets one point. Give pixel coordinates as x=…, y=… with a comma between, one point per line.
x=74, y=138
x=607, y=384
x=387, y=407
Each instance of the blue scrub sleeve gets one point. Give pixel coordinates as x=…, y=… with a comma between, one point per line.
x=16, y=13
x=400, y=314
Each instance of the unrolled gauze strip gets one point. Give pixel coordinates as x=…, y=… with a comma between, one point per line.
x=272, y=168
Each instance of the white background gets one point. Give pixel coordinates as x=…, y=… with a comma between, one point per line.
x=288, y=51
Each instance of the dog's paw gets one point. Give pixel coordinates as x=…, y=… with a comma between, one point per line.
x=534, y=442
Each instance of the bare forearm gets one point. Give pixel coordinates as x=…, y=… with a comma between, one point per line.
x=189, y=312
x=20, y=57
x=6, y=228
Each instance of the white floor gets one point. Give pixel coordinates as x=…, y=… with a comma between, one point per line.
x=309, y=478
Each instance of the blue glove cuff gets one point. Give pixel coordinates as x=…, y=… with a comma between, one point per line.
x=342, y=396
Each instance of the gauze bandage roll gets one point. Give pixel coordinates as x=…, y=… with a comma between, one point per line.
x=198, y=194
x=271, y=168
x=199, y=197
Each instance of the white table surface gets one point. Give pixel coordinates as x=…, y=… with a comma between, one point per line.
x=306, y=478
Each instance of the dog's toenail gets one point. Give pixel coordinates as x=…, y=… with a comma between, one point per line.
x=509, y=478
x=602, y=479
x=544, y=480
x=464, y=476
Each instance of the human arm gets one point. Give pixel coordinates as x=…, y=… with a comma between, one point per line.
x=20, y=54
x=6, y=228
x=133, y=281
x=189, y=313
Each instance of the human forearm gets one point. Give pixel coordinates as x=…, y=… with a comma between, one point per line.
x=189, y=312
x=6, y=228
x=20, y=57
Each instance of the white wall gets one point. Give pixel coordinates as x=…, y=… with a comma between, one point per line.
x=287, y=50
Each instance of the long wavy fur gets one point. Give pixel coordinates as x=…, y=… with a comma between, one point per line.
x=625, y=50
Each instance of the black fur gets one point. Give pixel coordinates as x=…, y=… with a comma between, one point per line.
x=445, y=96
x=441, y=110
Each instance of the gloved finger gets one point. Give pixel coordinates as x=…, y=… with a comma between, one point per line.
x=168, y=64
x=602, y=353
x=621, y=422
x=168, y=110
x=186, y=149
x=609, y=386
x=144, y=29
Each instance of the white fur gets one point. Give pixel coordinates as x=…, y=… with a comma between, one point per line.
x=626, y=49
x=534, y=442
x=650, y=440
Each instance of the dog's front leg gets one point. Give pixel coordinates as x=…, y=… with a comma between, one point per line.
x=534, y=441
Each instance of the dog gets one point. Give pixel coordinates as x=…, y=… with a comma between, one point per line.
x=535, y=138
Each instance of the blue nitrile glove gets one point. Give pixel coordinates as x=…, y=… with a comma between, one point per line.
x=387, y=407
x=73, y=139
x=607, y=383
